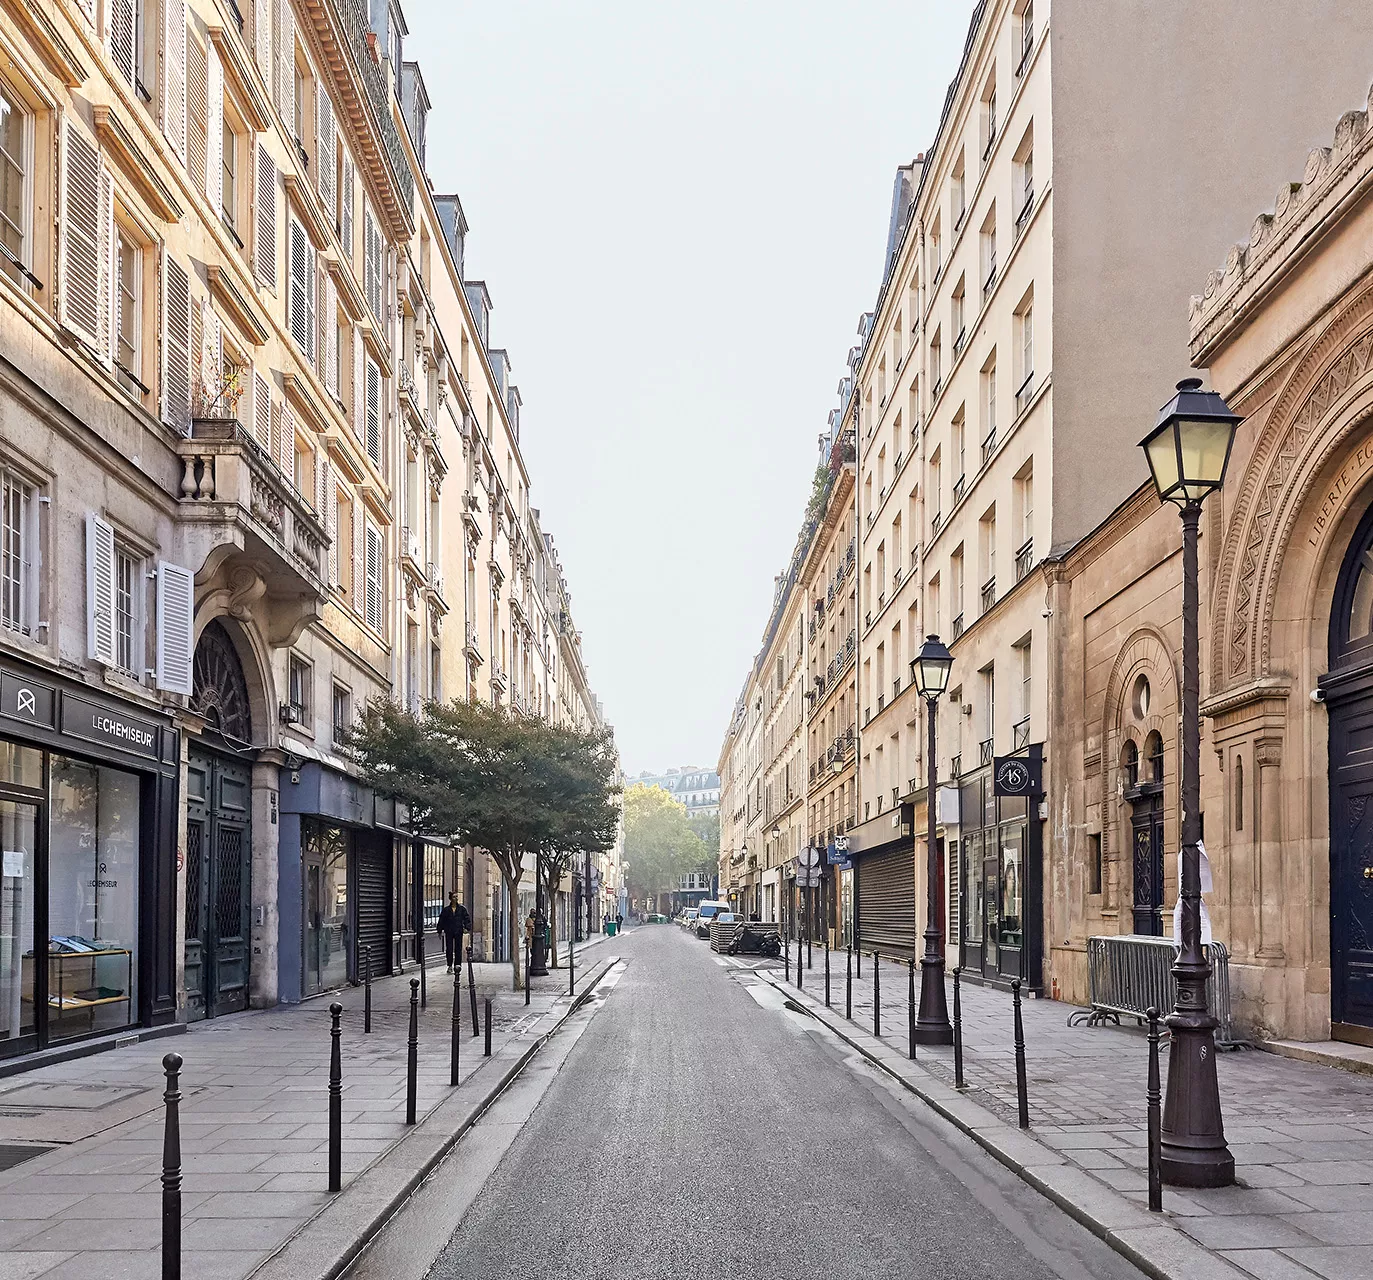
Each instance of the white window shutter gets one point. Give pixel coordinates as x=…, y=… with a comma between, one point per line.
x=285, y=40
x=374, y=599
x=174, y=75
x=175, y=627
x=329, y=323
x=359, y=591
x=100, y=574
x=372, y=442
x=265, y=229
x=262, y=411
x=81, y=237
x=345, y=219
x=121, y=37
x=211, y=363
x=108, y=285
x=331, y=517
x=287, y=441
x=309, y=294
x=325, y=150
x=359, y=398
x=262, y=39
x=300, y=254
x=176, y=346
x=214, y=133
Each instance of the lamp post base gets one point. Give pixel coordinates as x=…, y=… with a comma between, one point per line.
x=1193, y=1148
x=932, y=1025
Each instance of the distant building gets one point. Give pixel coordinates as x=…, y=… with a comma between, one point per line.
x=698, y=789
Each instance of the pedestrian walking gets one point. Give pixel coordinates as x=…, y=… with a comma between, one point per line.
x=454, y=921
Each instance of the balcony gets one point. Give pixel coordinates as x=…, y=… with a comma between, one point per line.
x=243, y=516
x=895, y=688
x=936, y=388
x=436, y=593
x=1024, y=393
x=881, y=702
x=990, y=282
x=989, y=446
x=956, y=766
x=935, y=521
x=958, y=626
x=984, y=751
x=958, y=486
x=988, y=593
x=1022, y=219
x=896, y=580
x=991, y=141
x=1020, y=734
x=1027, y=47
x=1025, y=560
x=498, y=676
x=472, y=648
x=960, y=342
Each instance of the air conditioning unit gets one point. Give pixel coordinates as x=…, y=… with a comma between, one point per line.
x=292, y=713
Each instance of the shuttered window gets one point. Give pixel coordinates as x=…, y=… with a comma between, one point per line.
x=214, y=134
x=301, y=302
x=175, y=627
x=123, y=32
x=326, y=151
x=86, y=240
x=373, y=412
x=375, y=601
x=265, y=229
x=100, y=575
x=176, y=346
x=262, y=411
x=284, y=70
x=174, y=74
x=262, y=39
x=372, y=266
x=18, y=539
x=197, y=111
x=329, y=323
x=347, y=182
x=128, y=612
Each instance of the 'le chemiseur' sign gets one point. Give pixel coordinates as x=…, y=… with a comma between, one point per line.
x=95, y=723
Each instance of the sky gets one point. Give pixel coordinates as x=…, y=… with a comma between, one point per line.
x=681, y=212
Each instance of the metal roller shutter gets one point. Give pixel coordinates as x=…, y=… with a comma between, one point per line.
x=886, y=901
x=374, y=903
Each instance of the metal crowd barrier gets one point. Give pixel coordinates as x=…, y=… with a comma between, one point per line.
x=722, y=935
x=1131, y=973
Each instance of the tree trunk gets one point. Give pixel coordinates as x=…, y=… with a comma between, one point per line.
x=514, y=929
x=550, y=894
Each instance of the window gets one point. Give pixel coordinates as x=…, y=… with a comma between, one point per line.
x=1027, y=347
x=229, y=181
x=300, y=684
x=1023, y=659
x=18, y=536
x=15, y=149
x=128, y=630
x=1027, y=36
x=988, y=408
x=301, y=304
x=128, y=352
x=343, y=711
x=372, y=413
x=958, y=193
x=375, y=602
x=435, y=673
x=373, y=266
x=988, y=254
x=988, y=117
x=1094, y=863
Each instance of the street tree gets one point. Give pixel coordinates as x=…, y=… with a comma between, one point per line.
x=660, y=846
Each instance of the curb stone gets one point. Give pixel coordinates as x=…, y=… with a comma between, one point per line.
x=1148, y=1240
x=326, y=1244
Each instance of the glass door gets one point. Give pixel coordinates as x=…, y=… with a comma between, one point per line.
x=18, y=898
x=326, y=908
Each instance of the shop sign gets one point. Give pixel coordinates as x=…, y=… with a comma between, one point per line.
x=1018, y=775
x=838, y=853
x=96, y=723
x=26, y=700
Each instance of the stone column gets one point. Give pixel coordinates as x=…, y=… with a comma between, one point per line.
x=1268, y=836
x=264, y=921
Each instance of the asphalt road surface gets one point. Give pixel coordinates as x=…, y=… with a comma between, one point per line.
x=697, y=1127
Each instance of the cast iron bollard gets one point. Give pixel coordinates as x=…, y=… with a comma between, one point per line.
x=786, y=956
x=571, y=967
x=848, y=981
x=1155, y=1125
x=424, y=968
x=367, y=990
x=472, y=992
x=876, y=997
x=486, y=1050
x=335, y=1097
x=800, y=981
x=859, y=957
x=455, y=1030
x=827, y=968
x=1022, y=1096
x=526, y=981
x=910, y=1015
x=171, y=1171
x=957, y=1029
x=412, y=1056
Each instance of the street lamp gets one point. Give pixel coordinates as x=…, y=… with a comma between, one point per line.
x=1187, y=453
x=930, y=671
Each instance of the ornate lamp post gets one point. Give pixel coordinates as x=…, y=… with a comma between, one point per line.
x=930, y=671
x=1187, y=453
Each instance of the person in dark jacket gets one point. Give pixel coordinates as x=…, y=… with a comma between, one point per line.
x=453, y=923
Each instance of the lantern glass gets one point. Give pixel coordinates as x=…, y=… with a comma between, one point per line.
x=930, y=668
x=1189, y=447
x=777, y=833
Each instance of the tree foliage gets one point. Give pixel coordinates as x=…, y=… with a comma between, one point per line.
x=660, y=846
x=707, y=827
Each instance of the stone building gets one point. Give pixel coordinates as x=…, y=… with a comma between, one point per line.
x=1285, y=329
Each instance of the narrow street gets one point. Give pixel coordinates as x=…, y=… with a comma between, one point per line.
x=700, y=1127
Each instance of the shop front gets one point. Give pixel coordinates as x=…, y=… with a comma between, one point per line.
x=882, y=851
x=1001, y=889
x=88, y=832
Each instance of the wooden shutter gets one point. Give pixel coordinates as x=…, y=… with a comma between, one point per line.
x=174, y=75
x=214, y=147
x=121, y=38
x=357, y=583
x=210, y=359
x=175, y=627
x=286, y=458
x=330, y=514
x=374, y=598
x=326, y=151
x=345, y=214
x=262, y=411
x=197, y=111
x=81, y=237
x=100, y=576
x=359, y=398
x=285, y=42
x=300, y=255
x=265, y=230
x=176, y=346
x=329, y=323
x=373, y=427
x=262, y=40
x=106, y=254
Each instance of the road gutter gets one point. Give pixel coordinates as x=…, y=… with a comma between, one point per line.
x=1147, y=1240
x=325, y=1245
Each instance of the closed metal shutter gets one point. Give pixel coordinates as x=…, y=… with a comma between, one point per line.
x=374, y=904
x=886, y=901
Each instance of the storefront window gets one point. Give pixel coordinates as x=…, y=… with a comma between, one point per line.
x=1012, y=884
x=326, y=906
x=972, y=890
x=21, y=766
x=92, y=899
x=434, y=896
x=18, y=830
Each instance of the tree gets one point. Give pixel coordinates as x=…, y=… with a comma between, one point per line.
x=660, y=846
x=707, y=827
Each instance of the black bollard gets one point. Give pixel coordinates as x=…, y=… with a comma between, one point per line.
x=786, y=957
x=456, y=1028
x=876, y=998
x=335, y=1097
x=367, y=990
x=171, y=1171
x=827, y=968
x=571, y=967
x=424, y=968
x=848, y=981
x=910, y=1015
x=858, y=955
x=1022, y=1096
x=486, y=1051
x=800, y=981
x=472, y=992
x=412, y=1056
x=1155, y=1126
x=526, y=977
x=957, y=1029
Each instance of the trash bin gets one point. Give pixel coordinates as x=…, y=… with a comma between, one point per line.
x=610, y=927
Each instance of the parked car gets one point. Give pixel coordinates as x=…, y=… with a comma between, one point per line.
x=688, y=917
x=705, y=913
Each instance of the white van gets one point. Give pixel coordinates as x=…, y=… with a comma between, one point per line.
x=706, y=911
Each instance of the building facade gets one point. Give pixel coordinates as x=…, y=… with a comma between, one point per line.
x=696, y=788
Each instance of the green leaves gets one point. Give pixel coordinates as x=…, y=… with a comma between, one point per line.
x=660, y=846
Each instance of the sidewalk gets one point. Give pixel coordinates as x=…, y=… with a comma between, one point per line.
x=254, y=1129
x=1301, y=1135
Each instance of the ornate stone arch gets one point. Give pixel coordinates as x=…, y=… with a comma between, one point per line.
x=223, y=644
x=1323, y=406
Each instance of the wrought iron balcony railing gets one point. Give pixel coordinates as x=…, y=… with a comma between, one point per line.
x=988, y=593
x=984, y=751
x=1024, y=559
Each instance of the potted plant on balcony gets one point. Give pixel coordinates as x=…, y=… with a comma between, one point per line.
x=217, y=400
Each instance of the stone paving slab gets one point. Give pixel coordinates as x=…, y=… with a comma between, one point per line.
x=1301, y=1133
x=254, y=1125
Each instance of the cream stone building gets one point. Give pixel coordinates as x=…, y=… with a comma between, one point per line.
x=240, y=361
x=1029, y=323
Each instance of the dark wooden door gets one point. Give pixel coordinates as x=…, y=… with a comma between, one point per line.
x=218, y=884
x=1147, y=837
x=1351, y=861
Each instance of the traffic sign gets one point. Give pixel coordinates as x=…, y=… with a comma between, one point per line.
x=808, y=857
